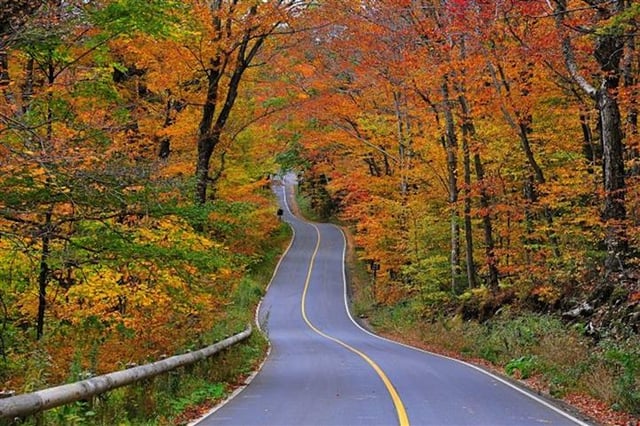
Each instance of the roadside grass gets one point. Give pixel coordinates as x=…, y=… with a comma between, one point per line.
x=304, y=203
x=180, y=396
x=524, y=346
x=164, y=399
x=540, y=349
x=361, y=296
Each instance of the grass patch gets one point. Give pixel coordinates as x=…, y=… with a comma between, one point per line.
x=523, y=367
x=304, y=203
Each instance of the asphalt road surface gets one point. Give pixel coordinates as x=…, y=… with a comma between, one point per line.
x=324, y=369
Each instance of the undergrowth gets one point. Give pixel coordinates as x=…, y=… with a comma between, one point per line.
x=167, y=399
x=528, y=344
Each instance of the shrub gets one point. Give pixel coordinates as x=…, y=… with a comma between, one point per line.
x=523, y=367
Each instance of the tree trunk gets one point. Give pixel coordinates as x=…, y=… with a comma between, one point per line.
x=43, y=276
x=211, y=127
x=164, y=143
x=403, y=129
x=487, y=227
x=213, y=180
x=468, y=229
x=489, y=244
x=27, y=88
x=388, y=170
x=370, y=160
x=614, y=211
x=206, y=141
x=206, y=145
x=5, y=79
x=629, y=74
x=608, y=52
x=592, y=153
x=451, y=147
x=46, y=228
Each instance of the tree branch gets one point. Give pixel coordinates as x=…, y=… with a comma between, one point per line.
x=353, y=133
x=567, y=50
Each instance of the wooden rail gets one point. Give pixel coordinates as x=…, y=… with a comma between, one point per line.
x=30, y=403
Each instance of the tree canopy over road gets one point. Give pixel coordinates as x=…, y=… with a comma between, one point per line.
x=484, y=154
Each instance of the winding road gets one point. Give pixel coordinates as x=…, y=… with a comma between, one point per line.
x=324, y=369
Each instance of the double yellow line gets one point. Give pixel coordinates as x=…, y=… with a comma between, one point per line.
x=403, y=420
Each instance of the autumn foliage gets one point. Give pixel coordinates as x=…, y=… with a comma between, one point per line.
x=104, y=259
x=484, y=154
x=459, y=141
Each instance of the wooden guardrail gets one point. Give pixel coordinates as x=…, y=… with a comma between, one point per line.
x=30, y=403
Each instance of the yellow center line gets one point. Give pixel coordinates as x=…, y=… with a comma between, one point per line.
x=403, y=420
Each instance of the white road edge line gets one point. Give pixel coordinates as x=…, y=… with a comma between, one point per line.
x=493, y=376
x=249, y=379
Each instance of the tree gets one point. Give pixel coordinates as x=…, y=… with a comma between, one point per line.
x=63, y=167
x=609, y=48
x=232, y=35
x=427, y=117
x=13, y=14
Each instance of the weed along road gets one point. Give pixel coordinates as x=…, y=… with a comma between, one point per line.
x=324, y=369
